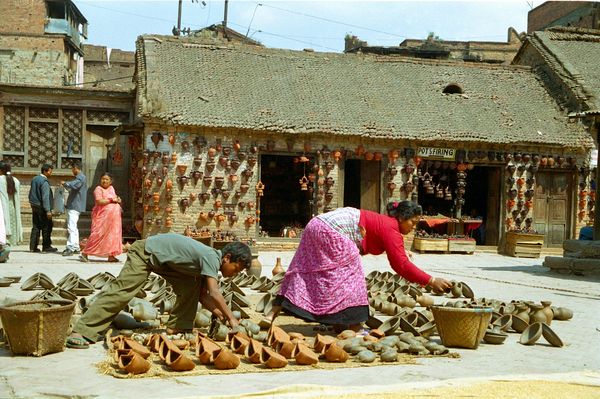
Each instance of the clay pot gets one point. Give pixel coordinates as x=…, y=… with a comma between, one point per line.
x=550, y=336
x=287, y=349
x=377, y=156
x=272, y=359
x=551, y=161
x=322, y=342
x=304, y=356
x=335, y=353
x=219, y=181
x=531, y=334
x=278, y=267
x=547, y=311
x=537, y=314
x=133, y=363
x=253, y=351
x=562, y=313
x=206, y=350
x=181, y=169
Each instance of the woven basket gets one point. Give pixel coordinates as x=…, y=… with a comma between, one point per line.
x=461, y=327
x=37, y=327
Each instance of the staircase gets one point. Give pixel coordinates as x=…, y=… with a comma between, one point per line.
x=59, y=231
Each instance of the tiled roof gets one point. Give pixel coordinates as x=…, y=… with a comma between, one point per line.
x=194, y=83
x=575, y=54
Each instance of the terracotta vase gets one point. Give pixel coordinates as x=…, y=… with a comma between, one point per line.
x=537, y=314
x=278, y=267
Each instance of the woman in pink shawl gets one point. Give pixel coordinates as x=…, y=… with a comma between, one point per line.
x=106, y=237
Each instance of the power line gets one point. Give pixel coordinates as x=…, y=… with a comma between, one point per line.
x=134, y=14
x=333, y=21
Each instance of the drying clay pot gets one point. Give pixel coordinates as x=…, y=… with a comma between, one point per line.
x=206, y=350
x=389, y=356
x=177, y=361
x=253, y=351
x=225, y=360
x=531, y=334
x=304, y=356
x=366, y=356
x=134, y=363
x=272, y=359
x=335, y=353
x=551, y=337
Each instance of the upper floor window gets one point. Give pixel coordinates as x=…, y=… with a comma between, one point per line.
x=56, y=10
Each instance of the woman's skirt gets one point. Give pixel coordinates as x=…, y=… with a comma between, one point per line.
x=325, y=281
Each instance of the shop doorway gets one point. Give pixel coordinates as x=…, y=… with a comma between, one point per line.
x=551, y=207
x=482, y=201
x=362, y=184
x=284, y=207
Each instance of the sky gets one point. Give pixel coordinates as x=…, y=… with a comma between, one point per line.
x=319, y=25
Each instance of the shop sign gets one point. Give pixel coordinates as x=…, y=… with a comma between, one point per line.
x=439, y=153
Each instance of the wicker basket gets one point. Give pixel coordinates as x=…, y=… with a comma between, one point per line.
x=37, y=327
x=461, y=327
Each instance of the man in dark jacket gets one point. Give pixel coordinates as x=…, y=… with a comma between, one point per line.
x=75, y=205
x=40, y=199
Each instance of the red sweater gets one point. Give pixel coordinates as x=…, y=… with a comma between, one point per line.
x=383, y=235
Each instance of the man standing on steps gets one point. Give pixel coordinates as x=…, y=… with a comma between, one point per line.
x=75, y=205
x=40, y=199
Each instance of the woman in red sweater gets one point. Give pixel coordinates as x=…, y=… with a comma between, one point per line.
x=325, y=282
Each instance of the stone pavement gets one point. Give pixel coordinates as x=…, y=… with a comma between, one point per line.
x=72, y=372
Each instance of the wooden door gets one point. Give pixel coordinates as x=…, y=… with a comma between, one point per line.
x=492, y=221
x=551, y=207
x=370, y=185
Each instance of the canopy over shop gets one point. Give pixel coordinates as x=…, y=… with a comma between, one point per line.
x=243, y=141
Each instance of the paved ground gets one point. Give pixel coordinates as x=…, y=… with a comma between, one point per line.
x=72, y=373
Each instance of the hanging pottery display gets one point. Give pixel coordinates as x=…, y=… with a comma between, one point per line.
x=303, y=183
x=260, y=188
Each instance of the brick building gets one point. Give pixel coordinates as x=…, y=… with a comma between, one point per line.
x=566, y=59
x=271, y=137
x=435, y=48
x=576, y=14
x=47, y=112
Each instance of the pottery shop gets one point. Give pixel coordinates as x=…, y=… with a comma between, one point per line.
x=242, y=142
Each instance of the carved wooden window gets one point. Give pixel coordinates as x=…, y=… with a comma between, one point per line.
x=14, y=136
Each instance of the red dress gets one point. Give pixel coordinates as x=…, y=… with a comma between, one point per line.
x=106, y=234
x=383, y=235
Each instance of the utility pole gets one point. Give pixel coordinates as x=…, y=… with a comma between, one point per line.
x=225, y=19
x=179, y=16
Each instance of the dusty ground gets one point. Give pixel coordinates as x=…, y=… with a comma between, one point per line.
x=508, y=370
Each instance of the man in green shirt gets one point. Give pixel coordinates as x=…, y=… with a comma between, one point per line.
x=189, y=266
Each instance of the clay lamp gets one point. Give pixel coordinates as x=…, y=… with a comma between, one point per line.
x=329, y=181
x=184, y=203
x=235, y=164
x=211, y=152
x=223, y=161
x=218, y=203
x=185, y=146
x=196, y=175
x=168, y=222
x=182, y=180
x=181, y=169
x=219, y=181
x=303, y=183
x=369, y=156
x=210, y=166
x=251, y=160
x=225, y=194
x=533, y=168
x=168, y=210
x=517, y=157
x=244, y=187
x=260, y=188
x=197, y=162
x=207, y=180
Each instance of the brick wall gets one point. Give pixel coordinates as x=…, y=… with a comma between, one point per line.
x=22, y=16
x=544, y=15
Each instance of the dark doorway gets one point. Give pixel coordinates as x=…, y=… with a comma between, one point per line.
x=284, y=205
x=352, y=183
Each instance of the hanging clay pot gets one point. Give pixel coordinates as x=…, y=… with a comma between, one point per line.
x=550, y=161
x=251, y=161
x=250, y=205
x=223, y=161
x=184, y=203
x=168, y=222
x=165, y=159
x=408, y=187
x=250, y=220
x=248, y=173
x=225, y=194
x=220, y=218
x=226, y=151
x=181, y=169
x=182, y=180
x=377, y=156
x=217, y=204
x=369, y=156
x=329, y=181
x=156, y=197
x=393, y=156
x=235, y=164
x=219, y=181
x=148, y=183
x=207, y=180
x=391, y=187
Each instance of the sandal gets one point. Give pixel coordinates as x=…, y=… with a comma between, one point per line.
x=77, y=343
x=113, y=259
x=83, y=258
